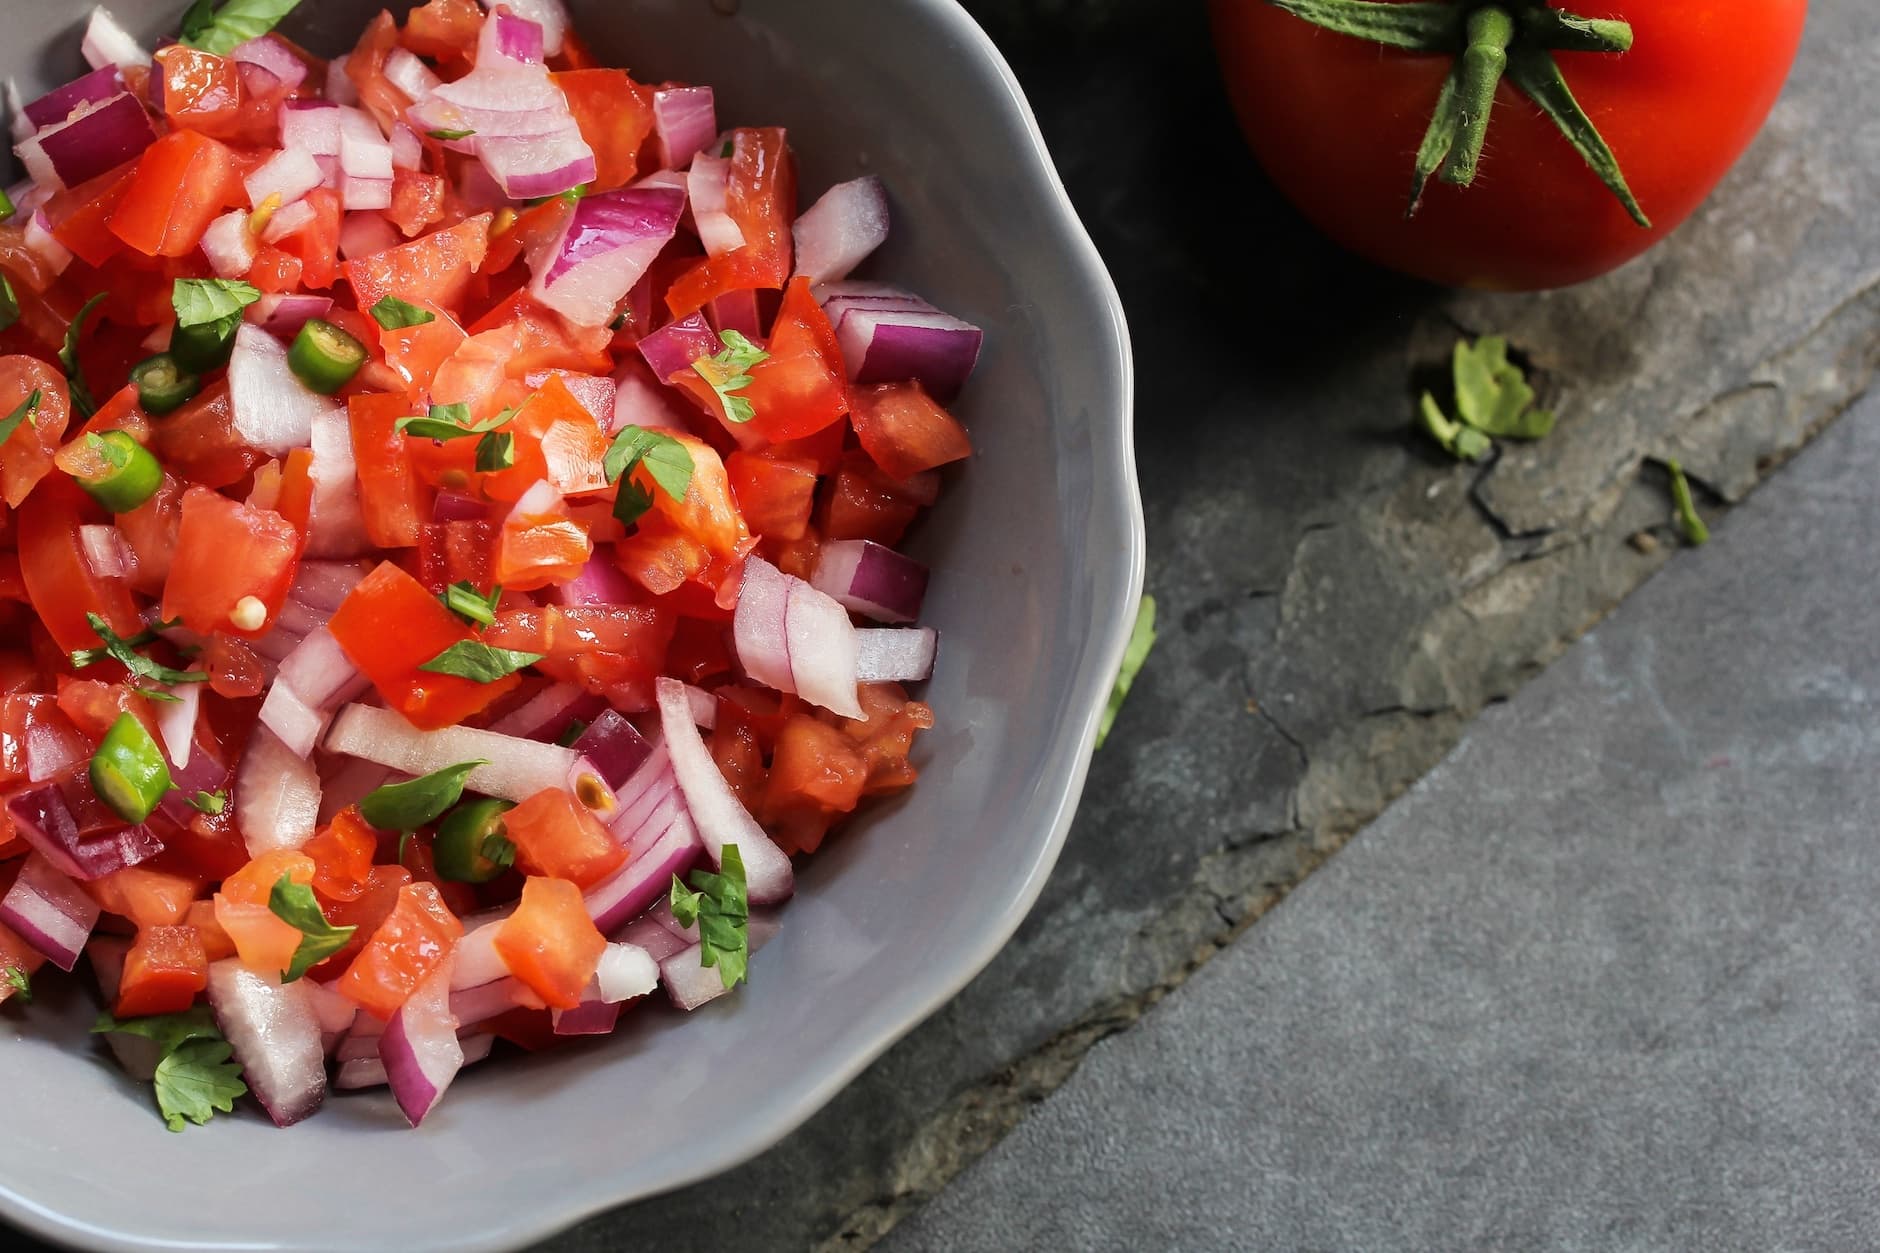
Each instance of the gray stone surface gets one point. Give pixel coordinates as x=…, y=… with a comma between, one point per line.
x=1608, y=978
x=1337, y=601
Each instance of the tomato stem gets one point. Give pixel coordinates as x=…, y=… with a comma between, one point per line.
x=1490, y=40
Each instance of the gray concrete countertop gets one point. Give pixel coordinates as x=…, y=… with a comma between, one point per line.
x=1608, y=978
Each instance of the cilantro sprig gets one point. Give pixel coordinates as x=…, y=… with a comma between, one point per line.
x=395, y=315
x=1493, y=401
x=668, y=461
x=207, y=802
x=479, y=662
x=27, y=412
x=123, y=649
x=417, y=802
x=472, y=606
x=21, y=983
x=221, y=30
x=82, y=402
x=728, y=371
x=294, y=904
x=719, y=906
x=195, y=1077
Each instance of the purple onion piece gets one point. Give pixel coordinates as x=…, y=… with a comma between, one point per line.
x=101, y=137
x=835, y=234
x=614, y=746
x=644, y=879
x=872, y=579
x=604, y=248
x=646, y=933
x=57, y=105
x=936, y=350
x=690, y=983
x=49, y=911
x=453, y=507
x=590, y=1017
x=545, y=716
x=720, y=817
x=275, y=1035
x=676, y=345
x=684, y=121
x=42, y=818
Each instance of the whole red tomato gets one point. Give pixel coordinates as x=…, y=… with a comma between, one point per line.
x=1336, y=121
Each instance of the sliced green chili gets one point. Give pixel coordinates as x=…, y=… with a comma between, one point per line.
x=324, y=357
x=163, y=385
x=128, y=771
x=205, y=345
x=6, y=207
x=9, y=303
x=128, y=474
x=462, y=839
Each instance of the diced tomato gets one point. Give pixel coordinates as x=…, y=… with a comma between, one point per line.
x=417, y=201
x=389, y=625
x=366, y=913
x=388, y=490
x=27, y=455
x=550, y=943
x=615, y=115
x=435, y=267
x=215, y=942
x=264, y=940
x=58, y=575
x=775, y=494
x=761, y=199
x=234, y=668
x=317, y=242
x=199, y=441
x=417, y=351
x=147, y=896
x=573, y=445
x=81, y=216
x=867, y=504
x=536, y=549
x=739, y=754
x=163, y=973
x=556, y=835
x=228, y=552
x=708, y=513
x=366, y=68
x=181, y=183
x=16, y=954
x=814, y=764
x=418, y=935
x=93, y=705
x=799, y=389
x=444, y=30
x=342, y=854
x=275, y=270
x=295, y=502
x=698, y=651
x=455, y=552
x=885, y=736
x=150, y=530
x=200, y=90
x=905, y=431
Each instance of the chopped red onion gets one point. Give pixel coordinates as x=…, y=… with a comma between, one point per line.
x=203, y=771
x=106, y=42
x=625, y=971
x=99, y=136
x=57, y=105
x=836, y=233
x=707, y=187
x=477, y=960
x=509, y=36
x=268, y=65
x=407, y=148
x=455, y=507
x=137, y=1054
x=348, y=780
x=646, y=877
x=549, y=713
x=41, y=240
x=676, y=345
x=936, y=349
x=600, y=582
x=106, y=552
x=340, y=88
x=337, y=526
x=277, y=795
x=369, y=1072
x=42, y=818
x=720, y=817
x=646, y=934
x=489, y=1000
x=614, y=746
x=410, y=75
x=871, y=579
x=759, y=626
x=420, y=1048
x=274, y=410
x=684, y=121
x=823, y=650
x=335, y=1011
x=363, y=234
x=275, y=1034
x=312, y=126
x=324, y=585
x=690, y=983
x=176, y=724
x=603, y=249
x=736, y=311
x=53, y=744
x=282, y=315
x=49, y=911
x=594, y=392
x=229, y=244
x=320, y=673
x=895, y=655
x=593, y=1016
x=704, y=707
x=550, y=15
x=641, y=401
x=518, y=768
x=288, y=219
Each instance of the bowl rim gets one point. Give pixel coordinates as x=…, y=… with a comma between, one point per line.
x=1113, y=447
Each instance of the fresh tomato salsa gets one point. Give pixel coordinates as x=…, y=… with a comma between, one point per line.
x=450, y=554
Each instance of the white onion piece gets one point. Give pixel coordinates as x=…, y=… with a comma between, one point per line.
x=294, y=722
x=720, y=817
x=106, y=552
x=337, y=527
x=640, y=401
x=340, y=88
x=290, y=174
x=293, y=216
x=477, y=961
x=323, y=585
x=348, y=780
x=49, y=911
x=643, y=932
x=625, y=971
x=704, y=707
x=707, y=185
x=684, y=121
x=313, y=126
x=518, y=768
x=407, y=148
x=320, y=672
x=420, y=1048
x=275, y=1035
x=230, y=245
x=895, y=655
x=760, y=623
x=369, y=1072
x=274, y=411
x=490, y=1000
x=176, y=722
x=268, y=65
x=41, y=240
x=106, y=42
x=593, y=1016
x=822, y=647
x=335, y=1011
x=690, y=983
x=410, y=75
x=277, y=795
x=835, y=234
x=550, y=15
x=19, y=126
